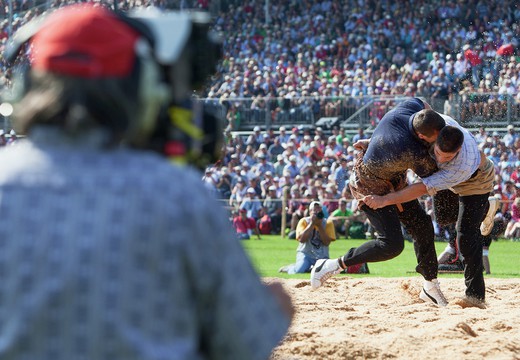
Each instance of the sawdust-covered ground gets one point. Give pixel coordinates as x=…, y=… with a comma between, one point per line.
x=383, y=318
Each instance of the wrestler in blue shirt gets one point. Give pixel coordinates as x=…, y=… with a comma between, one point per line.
x=396, y=146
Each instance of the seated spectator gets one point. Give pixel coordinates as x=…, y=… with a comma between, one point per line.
x=314, y=234
x=344, y=218
x=245, y=226
x=329, y=198
x=275, y=149
x=359, y=136
x=252, y=204
x=513, y=226
x=279, y=165
x=299, y=213
x=238, y=193
x=273, y=209
x=314, y=153
x=224, y=184
x=262, y=166
x=292, y=168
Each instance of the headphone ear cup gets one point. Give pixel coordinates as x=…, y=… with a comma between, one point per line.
x=213, y=128
x=152, y=94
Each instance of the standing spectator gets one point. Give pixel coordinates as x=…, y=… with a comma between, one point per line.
x=513, y=226
x=131, y=269
x=475, y=63
x=341, y=174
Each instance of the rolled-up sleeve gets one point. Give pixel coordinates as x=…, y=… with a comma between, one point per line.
x=446, y=178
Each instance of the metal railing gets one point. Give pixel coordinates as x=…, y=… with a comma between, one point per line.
x=492, y=110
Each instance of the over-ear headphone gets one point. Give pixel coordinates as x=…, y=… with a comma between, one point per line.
x=186, y=131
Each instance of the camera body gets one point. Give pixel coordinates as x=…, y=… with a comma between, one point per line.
x=320, y=215
x=186, y=51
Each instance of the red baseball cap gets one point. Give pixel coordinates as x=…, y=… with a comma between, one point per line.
x=84, y=40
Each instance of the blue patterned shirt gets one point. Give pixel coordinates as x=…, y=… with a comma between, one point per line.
x=460, y=168
x=120, y=255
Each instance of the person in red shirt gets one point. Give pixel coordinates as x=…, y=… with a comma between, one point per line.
x=475, y=62
x=245, y=226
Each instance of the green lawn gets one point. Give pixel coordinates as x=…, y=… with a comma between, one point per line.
x=270, y=253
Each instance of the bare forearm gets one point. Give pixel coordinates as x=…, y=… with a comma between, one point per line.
x=305, y=234
x=409, y=193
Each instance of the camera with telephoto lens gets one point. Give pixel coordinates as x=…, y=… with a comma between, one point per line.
x=186, y=51
x=320, y=215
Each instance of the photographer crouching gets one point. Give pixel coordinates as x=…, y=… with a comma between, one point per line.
x=314, y=234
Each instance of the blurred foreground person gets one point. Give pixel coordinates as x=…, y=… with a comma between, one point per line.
x=109, y=251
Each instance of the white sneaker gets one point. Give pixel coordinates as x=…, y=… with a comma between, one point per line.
x=323, y=270
x=487, y=224
x=431, y=292
x=447, y=255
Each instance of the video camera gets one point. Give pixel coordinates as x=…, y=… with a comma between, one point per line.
x=187, y=52
x=186, y=131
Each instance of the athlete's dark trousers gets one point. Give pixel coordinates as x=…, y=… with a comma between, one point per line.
x=390, y=241
x=467, y=212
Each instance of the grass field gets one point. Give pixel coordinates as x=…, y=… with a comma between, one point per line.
x=270, y=253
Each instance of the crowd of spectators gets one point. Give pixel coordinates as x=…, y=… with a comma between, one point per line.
x=330, y=51
x=322, y=55
x=436, y=49
x=15, y=13
x=303, y=165
x=306, y=165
